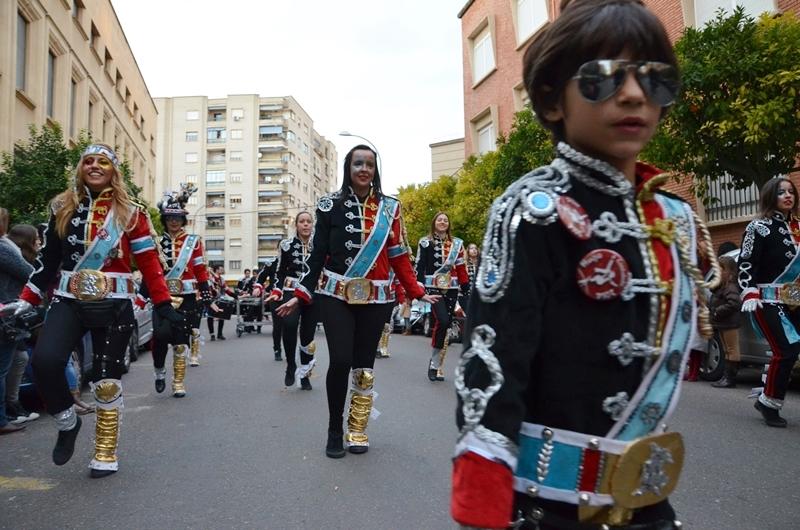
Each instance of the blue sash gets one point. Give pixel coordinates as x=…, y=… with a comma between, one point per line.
x=792, y=271
x=450, y=262
x=658, y=393
x=377, y=239
x=101, y=247
x=176, y=272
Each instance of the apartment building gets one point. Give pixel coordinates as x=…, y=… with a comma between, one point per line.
x=447, y=157
x=495, y=34
x=256, y=161
x=68, y=62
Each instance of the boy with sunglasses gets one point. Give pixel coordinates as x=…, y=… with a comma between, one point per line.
x=586, y=297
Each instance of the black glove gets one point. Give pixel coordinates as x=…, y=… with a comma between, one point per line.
x=170, y=324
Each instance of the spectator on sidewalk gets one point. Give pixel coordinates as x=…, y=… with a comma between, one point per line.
x=726, y=317
x=14, y=272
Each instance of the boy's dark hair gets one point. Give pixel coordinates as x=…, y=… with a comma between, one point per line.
x=584, y=31
x=768, y=197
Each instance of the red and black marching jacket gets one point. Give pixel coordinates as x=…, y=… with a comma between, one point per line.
x=432, y=255
x=195, y=269
x=64, y=253
x=343, y=224
x=555, y=315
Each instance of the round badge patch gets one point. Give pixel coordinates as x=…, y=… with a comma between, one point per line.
x=603, y=274
x=540, y=204
x=574, y=217
x=103, y=234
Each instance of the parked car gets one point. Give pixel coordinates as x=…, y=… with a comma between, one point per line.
x=418, y=311
x=142, y=333
x=755, y=351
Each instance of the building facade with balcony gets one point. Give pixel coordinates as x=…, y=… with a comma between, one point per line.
x=68, y=62
x=495, y=34
x=447, y=158
x=256, y=161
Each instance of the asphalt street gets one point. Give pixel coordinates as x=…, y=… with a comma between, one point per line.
x=243, y=451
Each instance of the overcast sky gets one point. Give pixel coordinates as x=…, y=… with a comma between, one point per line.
x=387, y=70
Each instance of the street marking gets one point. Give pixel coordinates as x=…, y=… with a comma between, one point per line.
x=26, y=483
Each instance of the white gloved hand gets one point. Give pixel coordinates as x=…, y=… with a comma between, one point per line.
x=751, y=304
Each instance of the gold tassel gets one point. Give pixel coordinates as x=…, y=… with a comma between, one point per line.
x=704, y=327
x=384, y=344
x=442, y=355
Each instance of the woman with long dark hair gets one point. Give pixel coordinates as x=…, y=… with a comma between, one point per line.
x=440, y=267
x=769, y=268
x=93, y=232
x=357, y=241
x=292, y=269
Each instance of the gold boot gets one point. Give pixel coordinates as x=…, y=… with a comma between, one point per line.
x=442, y=355
x=383, y=345
x=194, y=358
x=108, y=395
x=360, y=408
x=178, y=370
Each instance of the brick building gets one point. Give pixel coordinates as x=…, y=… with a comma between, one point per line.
x=495, y=34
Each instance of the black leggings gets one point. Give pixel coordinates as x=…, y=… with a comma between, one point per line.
x=189, y=308
x=306, y=319
x=67, y=321
x=352, y=333
x=277, y=325
x=442, y=312
x=784, y=353
x=220, y=323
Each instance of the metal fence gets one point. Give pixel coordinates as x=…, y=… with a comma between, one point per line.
x=730, y=203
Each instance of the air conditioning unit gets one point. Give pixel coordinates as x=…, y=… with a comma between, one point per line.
x=233, y=206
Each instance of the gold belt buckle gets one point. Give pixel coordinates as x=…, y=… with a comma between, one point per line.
x=790, y=294
x=648, y=471
x=442, y=280
x=89, y=285
x=175, y=286
x=358, y=290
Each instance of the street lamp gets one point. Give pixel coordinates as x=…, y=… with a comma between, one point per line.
x=377, y=154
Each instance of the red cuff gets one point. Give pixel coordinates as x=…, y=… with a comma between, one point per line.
x=751, y=296
x=31, y=297
x=276, y=292
x=483, y=493
x=303, y=294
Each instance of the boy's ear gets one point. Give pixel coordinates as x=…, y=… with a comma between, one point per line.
x=555, y=112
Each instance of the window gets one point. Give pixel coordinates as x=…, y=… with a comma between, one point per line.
x=94, y=37
x=236, y=156
x=236, y=134
x=22, y=51
x=77, y=8
x=215, y=178
x=237, y=114
x=531, y=15
x=192, y=200
x=270, y=132
x=236, y=200
x=215, y=135
x=215, y=222
x=73, y=102
x=236, y=178
x=291, y=136
x=235, y=221
x=215, y=244
x=192, y=115
x=486, y=138
x=191, y=136
x=90, y=117
x=191, y=158
x=51, y=71
x=482, y=55
x=235, y=265
x=235, y=242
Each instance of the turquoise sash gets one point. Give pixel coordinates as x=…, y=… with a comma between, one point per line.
x=101, y=247
x=450, y=262
x=377, y=238
x=176, y=272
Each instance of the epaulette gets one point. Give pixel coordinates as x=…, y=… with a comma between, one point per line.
x=286, y=244
x=424, y=241
x=325, y=203
x=533, y=197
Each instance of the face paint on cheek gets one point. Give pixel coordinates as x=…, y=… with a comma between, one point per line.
x=104, y=163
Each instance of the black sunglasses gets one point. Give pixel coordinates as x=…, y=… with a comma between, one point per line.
x=600, y=79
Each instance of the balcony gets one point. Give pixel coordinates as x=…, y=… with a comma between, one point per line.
x=731, y=204
x=276, y=207
x=272, y=145
x=218, y=158
x=215, y=200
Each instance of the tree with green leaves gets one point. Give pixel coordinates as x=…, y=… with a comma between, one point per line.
x=40, y=168
x=739, y=110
